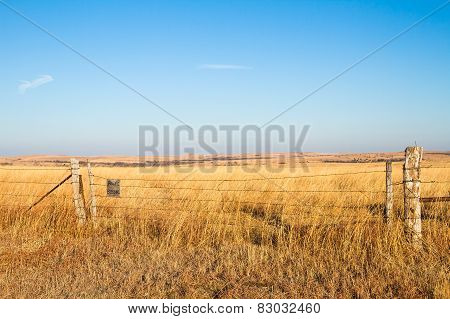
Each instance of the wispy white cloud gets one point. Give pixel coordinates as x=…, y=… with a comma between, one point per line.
x=25, y=85
x=224, y=67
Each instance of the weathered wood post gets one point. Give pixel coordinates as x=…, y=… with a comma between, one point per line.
x=389, y=193
x=92, y=199
x=411, y=189
x=77, y=185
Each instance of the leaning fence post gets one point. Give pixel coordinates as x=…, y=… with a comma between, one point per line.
x=78, y=197
x=411, y=189
x=92, y=199
x=389, y=193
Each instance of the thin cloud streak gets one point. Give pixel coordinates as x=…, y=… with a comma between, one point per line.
x=25, y=85
x=224, y=67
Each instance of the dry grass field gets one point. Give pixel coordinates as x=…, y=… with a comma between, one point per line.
x=226, y=234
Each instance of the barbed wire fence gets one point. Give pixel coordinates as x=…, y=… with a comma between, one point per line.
x=106, y=194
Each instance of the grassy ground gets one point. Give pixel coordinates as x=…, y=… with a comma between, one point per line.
x=185, y=237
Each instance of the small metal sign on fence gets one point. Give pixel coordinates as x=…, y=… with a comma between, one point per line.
x=113, y=187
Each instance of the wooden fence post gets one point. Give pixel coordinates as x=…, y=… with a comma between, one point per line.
x=389, y=193
x=77, y=185
x=411, y=189
x=92, y=199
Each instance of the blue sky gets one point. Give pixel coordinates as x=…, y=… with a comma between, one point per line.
x=174, y=52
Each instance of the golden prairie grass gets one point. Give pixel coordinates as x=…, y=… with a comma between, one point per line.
x=199, y=235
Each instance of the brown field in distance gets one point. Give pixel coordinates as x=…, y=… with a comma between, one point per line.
x=226, y=234
x=221, y=159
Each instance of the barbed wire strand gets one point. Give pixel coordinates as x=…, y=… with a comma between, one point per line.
x=267, y=204
x=269, y=215
x=246, y=179
x=33, y=169
x=246, y=190
x=30, y=195
x=28, y=182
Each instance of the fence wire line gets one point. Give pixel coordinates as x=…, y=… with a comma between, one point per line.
x=38, y=183
x=420, y=181
x=7, y=205
x=230, y=201
x=28, y=195
x=435, y=182
x=244, y=212
x=262, y=203
x=182, y=199
x=128, y=217
x=23, y=206
x=33, y=169
x=243, y=179
x=33, y=183
x=428, y=167
x=268, y=217
x=247, y=190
